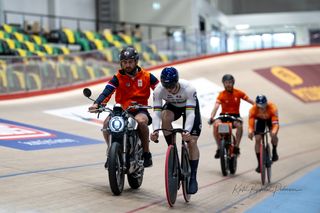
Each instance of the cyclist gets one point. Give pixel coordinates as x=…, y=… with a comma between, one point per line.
x=130, y=84
x=180, y=100
x=229, y=99
x=262, y=113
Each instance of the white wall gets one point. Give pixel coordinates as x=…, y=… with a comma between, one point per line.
x=179, y=12
x=267, y=19
x=298, y=22
x=71, y=8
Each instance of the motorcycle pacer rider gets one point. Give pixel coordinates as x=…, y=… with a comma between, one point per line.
x=130, y=84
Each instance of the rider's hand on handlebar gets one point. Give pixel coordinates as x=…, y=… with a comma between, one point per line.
x=250, y=135
x=186, y=136
x=154, y=136
x=210, y=121
x=94, y=108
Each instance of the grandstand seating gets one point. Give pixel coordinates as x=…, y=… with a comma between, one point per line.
x=45, y=62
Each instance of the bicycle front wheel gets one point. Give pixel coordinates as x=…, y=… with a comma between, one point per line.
x=171, y=175
x=268, y=163
x=262, y=163
x=186, y=172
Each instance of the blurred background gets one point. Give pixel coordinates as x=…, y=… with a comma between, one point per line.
x=51, y=44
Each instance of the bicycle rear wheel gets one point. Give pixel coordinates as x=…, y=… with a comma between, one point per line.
x=186, y=172
x=233, y=164
x=262, y=163
x=268, y=163
x=223, y=158
x=171, y=175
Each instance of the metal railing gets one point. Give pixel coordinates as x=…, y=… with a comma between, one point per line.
x=62, y=22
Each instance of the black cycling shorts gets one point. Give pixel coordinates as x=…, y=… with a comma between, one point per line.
x=260, y=125
x=181, y=111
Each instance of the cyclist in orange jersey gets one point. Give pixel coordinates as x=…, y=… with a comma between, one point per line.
x=261, y=114
x=130, y=84
x=229, y=99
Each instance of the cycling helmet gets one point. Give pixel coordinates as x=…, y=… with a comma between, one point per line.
x=228, y=77
x=169, y=77
x=261, y=101
x=129, y=53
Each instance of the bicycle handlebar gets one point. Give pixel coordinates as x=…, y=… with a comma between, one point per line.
x=174, y=130
x=211, y=121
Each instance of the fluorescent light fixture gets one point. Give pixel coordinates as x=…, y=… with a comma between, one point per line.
x=214, y=41
x=177, y=35
x=242, y=26
x=156, y=6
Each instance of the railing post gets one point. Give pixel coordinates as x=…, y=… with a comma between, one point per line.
x=78, y=24
x=149, y=32
x=5, y=17
x=60, y=23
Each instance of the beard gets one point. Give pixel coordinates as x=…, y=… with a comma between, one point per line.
x=229, y=89
x=130, y=71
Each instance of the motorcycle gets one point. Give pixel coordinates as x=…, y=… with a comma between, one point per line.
x=125, y=152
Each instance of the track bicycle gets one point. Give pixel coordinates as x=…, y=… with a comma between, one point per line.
x=228, y=160
x=177, y=171
x=265, y=157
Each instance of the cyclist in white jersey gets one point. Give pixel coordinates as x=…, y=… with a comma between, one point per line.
x=180, y=100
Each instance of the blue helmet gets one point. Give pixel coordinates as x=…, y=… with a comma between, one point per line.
x=261, y=101
x=169, y=77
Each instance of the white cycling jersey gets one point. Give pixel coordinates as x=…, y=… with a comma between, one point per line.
x=185, y=97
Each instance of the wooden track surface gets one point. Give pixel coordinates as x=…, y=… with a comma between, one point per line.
x=73, y=179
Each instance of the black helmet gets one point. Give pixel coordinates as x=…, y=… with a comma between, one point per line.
x=169, y=77
x=227, y=77
x=261, y=101
x=129, y=53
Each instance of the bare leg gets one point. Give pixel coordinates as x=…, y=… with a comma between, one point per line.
x=105, y=133
x=193, y=148
x=167, y=119
x=258, y=139
x=215, y=132
x=239, y=127
x=143, y=130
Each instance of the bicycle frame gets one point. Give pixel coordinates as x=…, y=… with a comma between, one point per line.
x=228, y=160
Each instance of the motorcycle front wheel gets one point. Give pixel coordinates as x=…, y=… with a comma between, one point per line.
x=115, y=169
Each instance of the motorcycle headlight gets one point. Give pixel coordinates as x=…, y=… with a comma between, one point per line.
x=116, y=124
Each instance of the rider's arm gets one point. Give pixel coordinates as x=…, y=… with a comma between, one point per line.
x=153, y=81
x=157, y=107
x=246, y=98
x=215, y=109
x=251, y=119
x=274, y=119
x=108, y=90
x=190, y=108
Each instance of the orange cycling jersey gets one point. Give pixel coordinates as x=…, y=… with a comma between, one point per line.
x=230, y=101
x=271, y=112
x=129, y=89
